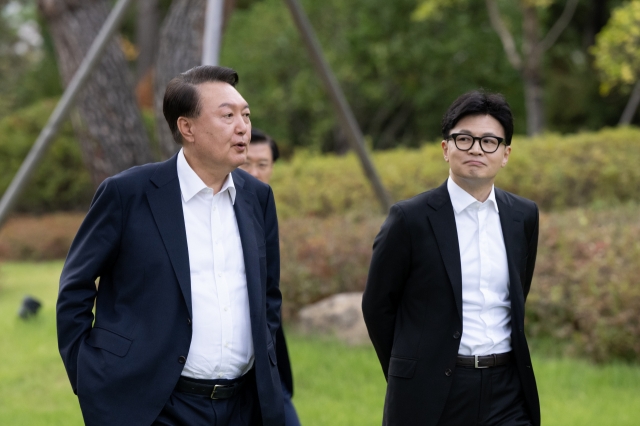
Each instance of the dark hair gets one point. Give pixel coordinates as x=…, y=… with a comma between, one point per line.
x=181, y=98
x=478, y=102
x=258, y=136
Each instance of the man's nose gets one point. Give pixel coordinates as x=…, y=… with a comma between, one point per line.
x=475, y=148
x=242, y=126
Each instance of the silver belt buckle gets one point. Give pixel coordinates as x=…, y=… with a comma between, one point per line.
x=213, y=393
x=475, y=364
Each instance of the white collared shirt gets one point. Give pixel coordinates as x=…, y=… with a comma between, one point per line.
x=486, y=307
x=221, y=344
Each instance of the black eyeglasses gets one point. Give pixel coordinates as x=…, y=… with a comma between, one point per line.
x=464, y=142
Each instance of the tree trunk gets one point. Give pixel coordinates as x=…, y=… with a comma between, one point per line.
x=112, y=136
x=632, y=106
x=180, y=49
x=147, y=30
x=532, y=70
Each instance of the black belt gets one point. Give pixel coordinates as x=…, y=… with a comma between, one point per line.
x=214, y=391
x=484, y=361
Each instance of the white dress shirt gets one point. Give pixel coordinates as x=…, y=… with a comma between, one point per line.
x=486, y=307
x=221, y=344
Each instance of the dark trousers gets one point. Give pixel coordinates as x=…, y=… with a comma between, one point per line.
x=187, y=409
x=485, y=397
x=290, y=414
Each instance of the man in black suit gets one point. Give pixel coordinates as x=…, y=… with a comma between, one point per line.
x=187, y=254
x=450, y=273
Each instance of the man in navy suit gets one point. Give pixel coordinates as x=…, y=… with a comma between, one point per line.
x=186, y=252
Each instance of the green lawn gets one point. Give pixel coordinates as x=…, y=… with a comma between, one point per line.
x=335, y=385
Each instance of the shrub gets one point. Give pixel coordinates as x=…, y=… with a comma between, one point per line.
x=321, y=257
x=585, y=295
x=555, y=171
x=60, y=181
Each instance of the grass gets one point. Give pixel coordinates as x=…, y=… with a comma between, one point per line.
x=335, y=385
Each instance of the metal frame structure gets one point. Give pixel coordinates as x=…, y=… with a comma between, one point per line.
x=210, y=56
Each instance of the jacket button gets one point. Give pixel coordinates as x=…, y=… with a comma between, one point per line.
x=447, y=372
x=182, y=360
x=456, y=335
x=189, y=321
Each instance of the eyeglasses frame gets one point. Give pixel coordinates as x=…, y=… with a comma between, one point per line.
x=476, y=138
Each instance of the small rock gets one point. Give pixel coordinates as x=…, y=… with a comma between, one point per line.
x=339, y=315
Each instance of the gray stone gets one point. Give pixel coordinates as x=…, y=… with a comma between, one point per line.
x=339, y=315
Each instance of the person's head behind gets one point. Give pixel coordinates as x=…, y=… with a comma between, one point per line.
x=263, y=152
x=182, y=98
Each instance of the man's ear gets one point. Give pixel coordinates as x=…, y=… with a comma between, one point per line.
x=185, y=126
x=445, y=150
x=505, y=158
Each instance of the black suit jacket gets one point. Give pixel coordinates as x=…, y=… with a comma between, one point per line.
x=412, y=304
x=125, y=364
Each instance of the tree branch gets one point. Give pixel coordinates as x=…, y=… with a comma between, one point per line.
x=500, y=28
x=560, y=25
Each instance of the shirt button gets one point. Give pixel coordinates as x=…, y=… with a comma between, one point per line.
x=219, y=374
x=447, y=372
x=219, y=275
x=182, y=360
x=214, y=208
x=226, y=308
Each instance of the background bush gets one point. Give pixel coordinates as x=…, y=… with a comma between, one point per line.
x=61, y=182
x=585, y=297
x=555, y=171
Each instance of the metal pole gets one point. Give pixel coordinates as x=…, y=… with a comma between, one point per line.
x=212, y=32
x=345, y=115
x=62, y=108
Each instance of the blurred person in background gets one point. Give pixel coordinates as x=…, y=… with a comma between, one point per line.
x=263, y=153
x=448, y=280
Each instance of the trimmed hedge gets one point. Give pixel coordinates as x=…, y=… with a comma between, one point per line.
x=555, y=171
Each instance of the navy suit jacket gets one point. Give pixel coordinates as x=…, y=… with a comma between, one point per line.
x=124, y=364
x=412, y=303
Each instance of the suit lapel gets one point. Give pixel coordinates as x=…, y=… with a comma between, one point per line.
x=243, y=208
x=443, y=223
x=511, y=222
x=165, y=202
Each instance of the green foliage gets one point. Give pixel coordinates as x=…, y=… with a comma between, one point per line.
x=61, y=181
x=555, y=171
x=617, y=52
x=395, y=72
